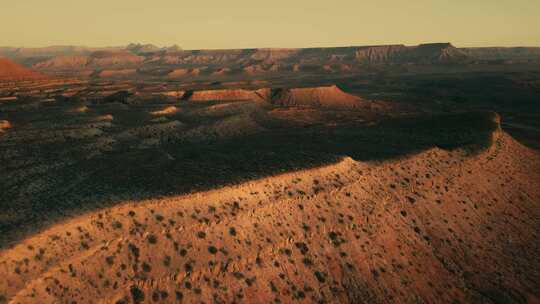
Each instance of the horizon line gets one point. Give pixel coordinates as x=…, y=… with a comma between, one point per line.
x=265, y=47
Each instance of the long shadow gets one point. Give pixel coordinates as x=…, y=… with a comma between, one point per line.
x=182, y=167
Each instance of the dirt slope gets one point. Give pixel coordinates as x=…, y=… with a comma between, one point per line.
x=330, y=96
x=435, y=227
x=10, y=70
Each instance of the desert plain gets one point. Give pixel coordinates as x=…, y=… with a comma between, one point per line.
x=372, y=174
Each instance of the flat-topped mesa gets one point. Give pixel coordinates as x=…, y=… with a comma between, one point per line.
x=271, y=55
x=324, y=96
x=380, y=53
x=439, y=52
x=428, y=53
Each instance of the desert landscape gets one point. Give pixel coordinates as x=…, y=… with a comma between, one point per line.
x=369, y=174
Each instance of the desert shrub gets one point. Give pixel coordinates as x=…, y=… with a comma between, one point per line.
x=307, y=261
x=117, y=225
x=146, y=267
x=302, y=247
x=167, y=261
x=179, y=295
x=152, y=239
x=109, y=260
x=136, y=294
x=320, y=276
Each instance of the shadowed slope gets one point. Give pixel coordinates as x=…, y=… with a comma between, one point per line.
x=64, y=181
x=436, y=227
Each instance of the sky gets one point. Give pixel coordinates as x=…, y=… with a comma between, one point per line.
x=217, y=24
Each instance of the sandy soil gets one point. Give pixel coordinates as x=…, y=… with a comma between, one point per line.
x=436, y=227
x=213, y=186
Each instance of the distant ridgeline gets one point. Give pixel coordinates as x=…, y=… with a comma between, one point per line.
x=173, y=62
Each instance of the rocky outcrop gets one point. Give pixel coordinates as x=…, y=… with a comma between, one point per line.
x=4, y=125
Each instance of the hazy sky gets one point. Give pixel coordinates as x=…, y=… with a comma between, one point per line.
x=274, y=23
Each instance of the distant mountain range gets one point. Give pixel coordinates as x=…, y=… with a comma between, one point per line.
x=148, y=60
x=40, y=53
